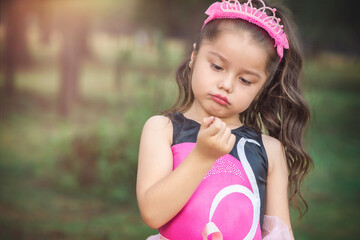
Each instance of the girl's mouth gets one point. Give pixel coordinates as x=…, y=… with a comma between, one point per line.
x=220, y=99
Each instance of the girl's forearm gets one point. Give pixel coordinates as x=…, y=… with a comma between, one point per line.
x=166, y=198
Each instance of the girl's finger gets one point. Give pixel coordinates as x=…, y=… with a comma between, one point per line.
x=221, y=132
x=226, y=135
x=206, y=122
x=214, y=128
x=231, y=142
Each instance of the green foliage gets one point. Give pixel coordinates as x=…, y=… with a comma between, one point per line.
x=84, y=165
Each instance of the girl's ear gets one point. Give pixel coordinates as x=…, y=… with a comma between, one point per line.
x=192, y=55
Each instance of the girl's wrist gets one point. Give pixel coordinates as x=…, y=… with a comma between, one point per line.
x=203, y=158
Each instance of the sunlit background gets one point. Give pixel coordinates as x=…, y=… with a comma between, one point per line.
x=78, y=79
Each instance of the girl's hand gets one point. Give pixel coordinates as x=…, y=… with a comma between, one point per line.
x=214, y=139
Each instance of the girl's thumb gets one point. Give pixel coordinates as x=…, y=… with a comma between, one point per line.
x=206, y=122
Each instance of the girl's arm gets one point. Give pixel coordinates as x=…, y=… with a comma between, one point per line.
x=277, y=203
x=162, y=192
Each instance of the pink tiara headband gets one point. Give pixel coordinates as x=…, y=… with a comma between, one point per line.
x=234, y=10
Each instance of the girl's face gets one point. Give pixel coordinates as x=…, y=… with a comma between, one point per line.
x=228, y=74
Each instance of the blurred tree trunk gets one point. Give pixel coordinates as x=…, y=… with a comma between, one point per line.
x=75, y=33
x=15, y=52
x=45, y=21
x=69, y=64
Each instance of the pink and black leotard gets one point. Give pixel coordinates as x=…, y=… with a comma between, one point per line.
x=230, y=201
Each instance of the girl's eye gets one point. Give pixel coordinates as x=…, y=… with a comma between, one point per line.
x=246, y=82
x=216, y=67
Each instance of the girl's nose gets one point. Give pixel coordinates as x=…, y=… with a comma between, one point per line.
x=227, y=83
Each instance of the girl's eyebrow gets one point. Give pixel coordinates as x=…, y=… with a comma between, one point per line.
x=219, y=56
x=226, y=61
x=252, y=73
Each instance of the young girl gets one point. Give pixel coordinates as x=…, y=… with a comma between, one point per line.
x=205, y=169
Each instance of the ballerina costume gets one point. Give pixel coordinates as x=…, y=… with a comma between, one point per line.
x=229, y=202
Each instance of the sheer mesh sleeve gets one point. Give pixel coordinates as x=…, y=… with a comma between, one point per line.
x=275, y=229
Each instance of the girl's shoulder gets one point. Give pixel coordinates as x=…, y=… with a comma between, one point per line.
x=158, y=126
x=158, y=120
x=271, y=142
x=274, y=151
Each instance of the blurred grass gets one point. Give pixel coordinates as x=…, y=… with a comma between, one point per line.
x=74, y=178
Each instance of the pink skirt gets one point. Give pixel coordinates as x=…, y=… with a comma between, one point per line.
x=273, y=229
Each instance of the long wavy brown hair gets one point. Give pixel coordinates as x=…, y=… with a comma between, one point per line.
x=279, y=109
